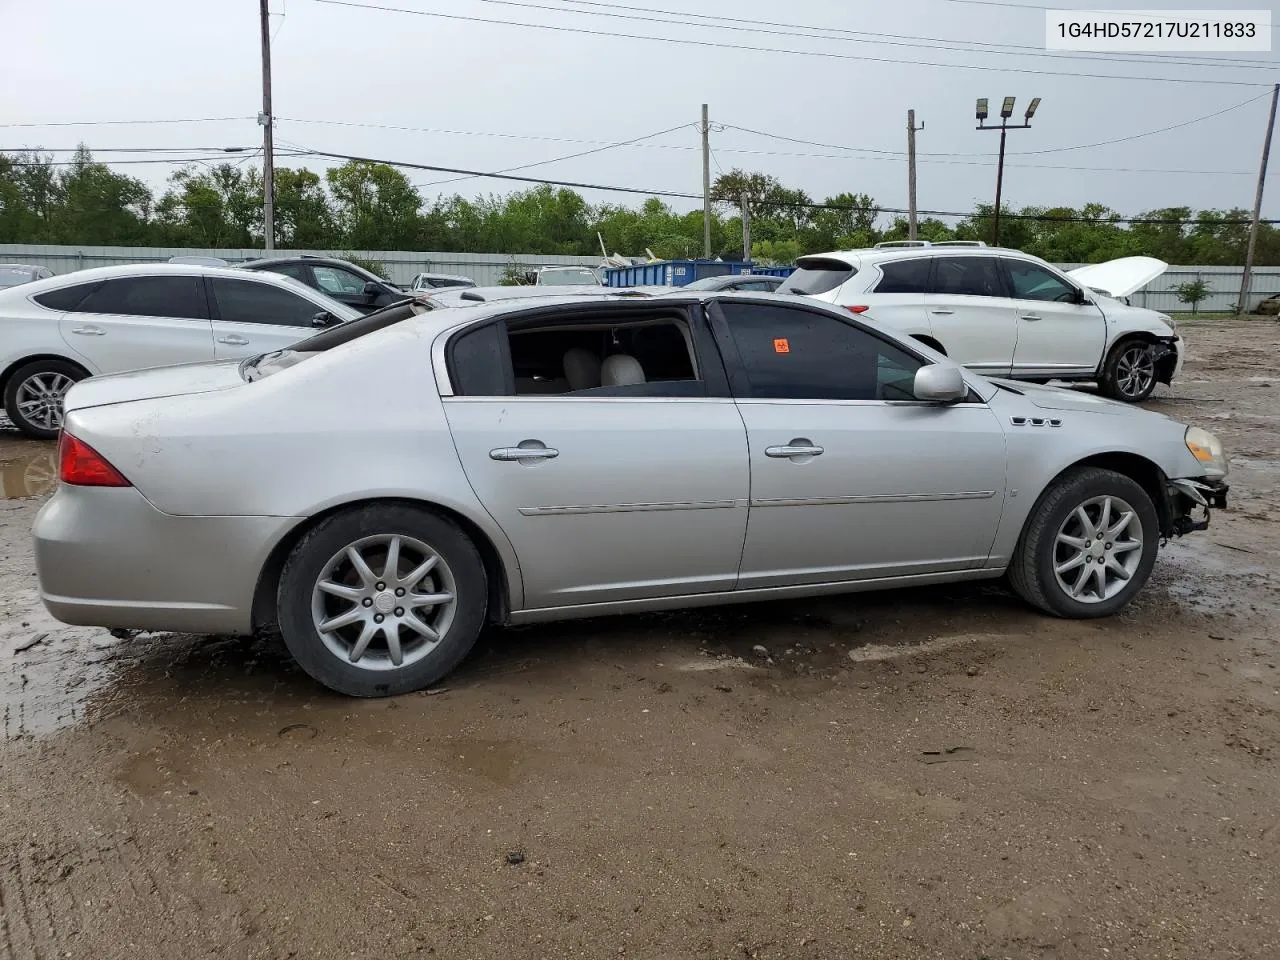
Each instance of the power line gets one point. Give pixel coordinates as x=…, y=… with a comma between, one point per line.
x=109, y=123
x=856, y=36
x=757, y=49
x=96, y=150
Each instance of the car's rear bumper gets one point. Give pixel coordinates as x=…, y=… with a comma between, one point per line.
x=105, y=557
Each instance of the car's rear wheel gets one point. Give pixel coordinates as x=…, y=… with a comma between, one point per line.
x=1088, y=546
x=1129, y=373
x=36, y=393
x=382, y=600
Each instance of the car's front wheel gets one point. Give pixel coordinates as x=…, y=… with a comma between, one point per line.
x=1088, y=546
x=1129, y=373
x=36, y=393
x=382, y=600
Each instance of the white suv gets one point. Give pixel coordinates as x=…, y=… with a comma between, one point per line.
x=1004, y=313
x=112, y=319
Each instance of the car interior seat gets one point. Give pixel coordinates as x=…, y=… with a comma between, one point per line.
x=620, y=370
x=581, y=368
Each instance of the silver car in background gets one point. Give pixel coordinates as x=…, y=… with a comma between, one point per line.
x=381, y=490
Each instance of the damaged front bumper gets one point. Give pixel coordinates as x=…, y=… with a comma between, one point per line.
x=1189, y=502
x=1166, y=354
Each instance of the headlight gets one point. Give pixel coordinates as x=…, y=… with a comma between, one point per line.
x=1207, y=448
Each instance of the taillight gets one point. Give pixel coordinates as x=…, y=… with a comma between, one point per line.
x=857, y=309
x=82, y=466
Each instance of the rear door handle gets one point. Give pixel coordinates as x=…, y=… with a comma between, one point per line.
x=800, y=447
x=943, y=313
x=89, y=330
x=1030, y=316
x=520, y=454
x=234, y=339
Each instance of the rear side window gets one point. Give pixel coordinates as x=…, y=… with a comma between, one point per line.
x=968, y=277
x=814, y=275
x=905, y=276
x=148, y=297
x=66, y=298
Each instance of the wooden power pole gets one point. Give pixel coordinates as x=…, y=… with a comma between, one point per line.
x=911, y=174
x=746, y=228
x=706, y=185
x=268, y=154
x=1242, y=305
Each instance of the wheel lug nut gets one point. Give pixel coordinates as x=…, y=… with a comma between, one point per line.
x=367, y=602
x=399, y=591
x=377, y=618
x=383, y=586
x=399, y=611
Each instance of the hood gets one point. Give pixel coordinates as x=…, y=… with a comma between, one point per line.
x=153, y=384
x=1119, y=278
x=1062, y=398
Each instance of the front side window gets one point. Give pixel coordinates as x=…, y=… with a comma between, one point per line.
x=793, y=354
x=642, y=356
x=333, y=280
x=296, y=270
x=967, y=277
x=1033, y=282
x=905, y=276
x=147, y=297
x=246, y=301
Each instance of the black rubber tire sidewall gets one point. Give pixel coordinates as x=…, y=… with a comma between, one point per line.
x=1031, y=572
x=328, y=537
x=64, y=367
x=1110, y=381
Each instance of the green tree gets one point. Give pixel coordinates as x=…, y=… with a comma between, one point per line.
x=303, y=217
x=220, y=207
x=1192, y=292
x=99, y=206
x=375, y=205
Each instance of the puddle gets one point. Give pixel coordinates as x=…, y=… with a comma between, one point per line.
x=33, y=474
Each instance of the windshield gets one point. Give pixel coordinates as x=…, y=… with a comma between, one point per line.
x=814, y=275
x=568, y=277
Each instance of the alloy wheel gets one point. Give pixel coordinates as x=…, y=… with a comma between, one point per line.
x=1098, y=549
x=384, y=602
x=1135, y=371
x=40, y=399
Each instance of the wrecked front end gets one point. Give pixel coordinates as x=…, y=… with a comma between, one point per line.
x=1166, y=354
x=1188, y=502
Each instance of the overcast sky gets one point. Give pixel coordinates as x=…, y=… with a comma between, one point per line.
x=495, y=95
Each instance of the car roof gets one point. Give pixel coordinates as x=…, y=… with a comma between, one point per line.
x=864, y=256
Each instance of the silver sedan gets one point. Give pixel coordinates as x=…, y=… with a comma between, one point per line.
x=381, y=490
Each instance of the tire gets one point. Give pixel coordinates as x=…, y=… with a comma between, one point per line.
x=42, y=418
x=1049, y=537
x=323, y=554
x=1129, y=373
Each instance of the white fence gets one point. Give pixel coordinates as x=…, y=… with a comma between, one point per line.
x=487, y=268
x=484, y=268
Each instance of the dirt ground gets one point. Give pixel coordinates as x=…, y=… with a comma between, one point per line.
x=933, y=773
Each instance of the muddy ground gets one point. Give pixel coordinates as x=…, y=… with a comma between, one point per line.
x=935, y=773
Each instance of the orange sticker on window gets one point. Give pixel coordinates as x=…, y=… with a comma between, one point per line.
x=781, y=345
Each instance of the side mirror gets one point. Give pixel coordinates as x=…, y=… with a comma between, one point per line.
x=371, y=289
x=324, y=319
x=939, y=383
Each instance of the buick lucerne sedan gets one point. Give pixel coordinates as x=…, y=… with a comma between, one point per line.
x=381, y=490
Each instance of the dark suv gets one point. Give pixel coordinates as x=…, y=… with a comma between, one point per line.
x=340, y=279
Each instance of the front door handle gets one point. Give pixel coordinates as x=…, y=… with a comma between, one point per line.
x=799, y=448
x=535, y=450
x=234, y=339
x=89, y=330
x=1030, y=316
x=943, y=313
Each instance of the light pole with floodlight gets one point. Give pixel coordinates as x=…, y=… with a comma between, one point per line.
x=1006, y=111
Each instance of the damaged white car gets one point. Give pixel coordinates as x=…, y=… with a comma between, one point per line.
x=1003, y=313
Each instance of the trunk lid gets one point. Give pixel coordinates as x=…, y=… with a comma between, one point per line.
x=177, y=380
x=1119, y=278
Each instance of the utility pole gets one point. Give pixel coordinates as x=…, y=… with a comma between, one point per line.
x=746, y=228
x=911, y=176
x=706, y=185
x=1242, y=304
x=1006, y=111
x=268, y=154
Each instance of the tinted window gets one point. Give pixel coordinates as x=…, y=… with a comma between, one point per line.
x=802, y=355
x=967, y=277
x=148, y=297
x=67, y=298
x=905, y=276
x=479, y=363
x=296, y=270
x=333, y=280
x=815, y=275
x=244, y=301
x=1032, y=282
